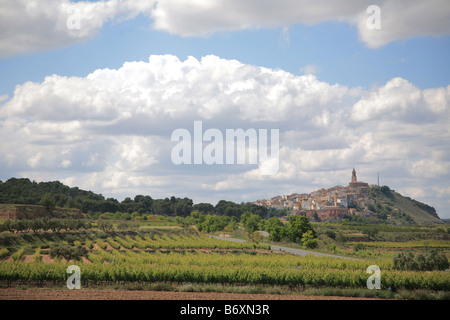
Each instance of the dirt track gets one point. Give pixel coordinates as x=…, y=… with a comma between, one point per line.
x=108, y=294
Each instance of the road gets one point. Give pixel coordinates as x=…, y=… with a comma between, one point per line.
x=299, y=252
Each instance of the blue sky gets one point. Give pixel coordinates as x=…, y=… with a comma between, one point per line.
x=87, y=108
x=333, y=47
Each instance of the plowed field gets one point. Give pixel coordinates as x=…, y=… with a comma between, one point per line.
x=108, y=294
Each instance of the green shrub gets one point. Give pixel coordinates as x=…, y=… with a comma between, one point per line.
x=105, y=225
x=4, y=253
x=68, y=252
x=308, y=240
x=359, y=246
x=432, y=261
x=332, y=248
x=331, y=234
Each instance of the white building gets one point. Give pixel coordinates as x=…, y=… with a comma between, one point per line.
x=342, y=202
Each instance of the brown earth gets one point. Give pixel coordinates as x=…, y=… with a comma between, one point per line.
x=110, y=294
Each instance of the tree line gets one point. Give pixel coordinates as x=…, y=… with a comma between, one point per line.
x=44, y=224
x=66, y=224
x=433, y=260
x=56, y=194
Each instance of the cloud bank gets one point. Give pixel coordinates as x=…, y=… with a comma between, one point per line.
x=110, y=131
x=400, y=19
x=28, y=26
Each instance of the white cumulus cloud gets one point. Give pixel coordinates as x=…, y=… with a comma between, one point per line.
x=110, y=131
x=35, y=25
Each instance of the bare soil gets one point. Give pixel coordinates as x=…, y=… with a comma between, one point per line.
x=111, y=294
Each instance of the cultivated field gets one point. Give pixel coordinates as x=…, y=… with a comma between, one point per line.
x=189, y=262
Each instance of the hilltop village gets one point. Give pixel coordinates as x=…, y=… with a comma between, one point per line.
x=332, y=203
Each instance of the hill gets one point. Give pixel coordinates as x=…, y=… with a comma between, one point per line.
x=385, y=203
x=26, y=211
x=57, y=195
x=359, y=202
x=24, y=191
x=388, y=201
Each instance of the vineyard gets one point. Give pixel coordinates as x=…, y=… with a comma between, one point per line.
x=409, y=244
x=197, y=259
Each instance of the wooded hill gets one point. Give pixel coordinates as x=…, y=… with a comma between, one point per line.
x=56, y=194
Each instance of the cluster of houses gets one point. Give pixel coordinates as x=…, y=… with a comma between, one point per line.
x=332, y=203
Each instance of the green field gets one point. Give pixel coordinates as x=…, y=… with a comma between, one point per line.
x=178, y=256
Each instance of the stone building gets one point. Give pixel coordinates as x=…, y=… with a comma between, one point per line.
x=358, y=187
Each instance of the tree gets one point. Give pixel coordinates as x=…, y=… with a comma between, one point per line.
x=276, y=229
x=181, y=209
x=232, y=225
x=205, y=208
x=197, y=217
x=105, y=225
x=297, y=226
x=48, y=202
x=36, y=224
x=213, y=223
x=371, y=233
x=254, y=208
x=309, y=241
x=245, y=216
x=227, y=208
x=55, y=225
x=250, y=221
x=23, y=225
x=68, y=252
x=9, y=225
x=72, y=203
x=162, y=207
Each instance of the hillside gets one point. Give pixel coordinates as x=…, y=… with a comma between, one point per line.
x=57, y=195
x=389, y=201
x=25, y=211
x=23, y=191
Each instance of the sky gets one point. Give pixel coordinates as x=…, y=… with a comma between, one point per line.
x=92, y=91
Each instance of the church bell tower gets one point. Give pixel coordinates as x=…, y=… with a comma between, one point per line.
x=354, y=175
